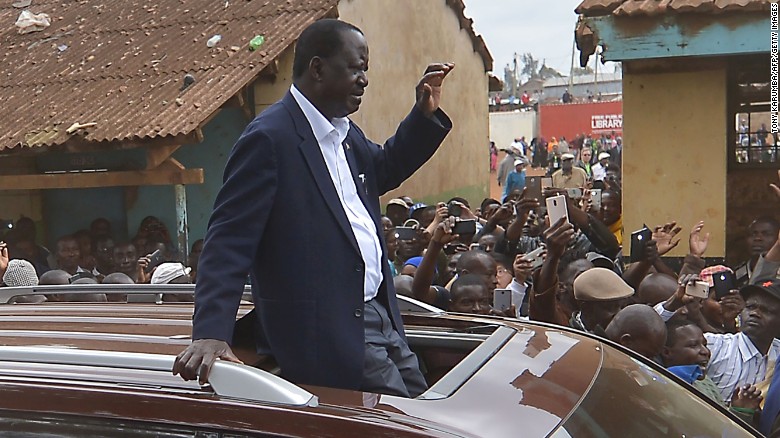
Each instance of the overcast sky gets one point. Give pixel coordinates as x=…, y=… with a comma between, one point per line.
x=543, y=27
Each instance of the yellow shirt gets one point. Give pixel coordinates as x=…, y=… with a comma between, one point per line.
x=577, y=179
x=617, y=230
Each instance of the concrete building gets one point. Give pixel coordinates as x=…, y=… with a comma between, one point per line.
x=692, y=71
x=584, y=88
x=135, y=116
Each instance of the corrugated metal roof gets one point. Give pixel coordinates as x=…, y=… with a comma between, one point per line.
x=592, y=8
x=121, y=64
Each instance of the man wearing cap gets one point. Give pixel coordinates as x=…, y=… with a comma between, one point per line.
x=568, y=176
x=397, y=211
x=600, y=293
x=516, y=179
x=750, y=356
x=600, y=168
x=506, y=164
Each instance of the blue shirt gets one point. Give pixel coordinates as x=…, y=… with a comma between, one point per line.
x=514, y=181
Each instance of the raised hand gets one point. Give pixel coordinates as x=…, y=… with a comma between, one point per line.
x=443, y=232
x=664, y=236
x=746, y=397
x=558, y=237
x=731, y=305
x=429, y=88
x=697, y=242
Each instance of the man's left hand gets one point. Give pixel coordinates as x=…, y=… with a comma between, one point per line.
x=429, y=88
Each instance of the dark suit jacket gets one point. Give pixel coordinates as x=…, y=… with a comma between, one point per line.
x=278, y=217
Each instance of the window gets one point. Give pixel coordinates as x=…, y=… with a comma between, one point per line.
x=751, y=141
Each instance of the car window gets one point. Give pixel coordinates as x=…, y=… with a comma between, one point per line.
x=29, y=425
x=630, y=399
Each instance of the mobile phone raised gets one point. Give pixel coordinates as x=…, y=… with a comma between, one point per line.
x=454, y=209
x=639, y=240
x=155, y=260
x=574, y=193
x=556, y=209
x=595, y=196
x=465, y=227
x=535, y=257
x=723, y=282
x=405, y=233
x=502, y=299
x=698, y=289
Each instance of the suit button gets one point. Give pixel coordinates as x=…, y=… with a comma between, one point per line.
x=358, y=267
x=358, y=313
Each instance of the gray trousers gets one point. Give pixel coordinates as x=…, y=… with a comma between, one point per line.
x=390, y=366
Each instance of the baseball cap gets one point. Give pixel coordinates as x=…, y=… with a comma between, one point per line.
x=415, y=207
x=770, y=286
x=600, y=284
x=567, y=156
x=603, y=155
x=520, y=161
x=167, y=272
x=399, y=202
x=707, y=273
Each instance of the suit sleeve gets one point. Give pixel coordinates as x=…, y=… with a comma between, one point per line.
x=236, y=227
x=414, y=142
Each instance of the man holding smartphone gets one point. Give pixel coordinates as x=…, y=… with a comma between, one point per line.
x=303, y=162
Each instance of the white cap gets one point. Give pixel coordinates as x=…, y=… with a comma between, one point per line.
x=167, y=272
x=603, y=155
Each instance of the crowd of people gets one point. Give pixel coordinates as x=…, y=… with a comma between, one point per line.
x=93, y=256
x=725, y=345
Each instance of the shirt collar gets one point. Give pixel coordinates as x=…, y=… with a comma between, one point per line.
x=320, y=126
x=746, y=347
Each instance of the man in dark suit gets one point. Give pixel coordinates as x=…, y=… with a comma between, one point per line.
x=302, y=183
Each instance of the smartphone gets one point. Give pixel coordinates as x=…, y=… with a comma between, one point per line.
x=465, y=227
x=575, y=193
x=535, y=257
x=638, y=241
x=155, y=260
x=454, y=209
x=595, y=196
x=502, y=299
x=556, y=209
x=405, y=233
x=546, y=182
x=724, y=282
x=698, y=289
x=533, y=186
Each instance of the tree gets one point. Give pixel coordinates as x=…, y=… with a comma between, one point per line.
x=548, y=72
x=530, y=66
x=582, y=71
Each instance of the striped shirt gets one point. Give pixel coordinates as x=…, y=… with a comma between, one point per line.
x=735, y=361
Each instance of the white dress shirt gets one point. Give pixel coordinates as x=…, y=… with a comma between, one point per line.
x=518, y=294
x=735, y=361
x=330, y=135
x=599, y=172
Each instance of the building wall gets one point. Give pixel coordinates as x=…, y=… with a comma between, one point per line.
x=403, y=38
x=507, y=126
x=674, y=159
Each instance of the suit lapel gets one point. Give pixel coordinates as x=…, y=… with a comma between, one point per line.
x=359, y=178
x=312, y=154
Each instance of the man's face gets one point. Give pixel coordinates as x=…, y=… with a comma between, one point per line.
x=761, y=317
x=452, y=266
x=386, y=224
x=343, y=76
x=104, y=253
x=100, y=228
x=761, y=237
x=567, y=164
x=471, y=299
x=610, y=208
x=586, y=155
x=397, y=214
x=601, y=312
x=487, y=243
x=487, y=268
x=197, y=248
x=408, y=249
x=126, y=259
x=689, y=348
x=68, y=255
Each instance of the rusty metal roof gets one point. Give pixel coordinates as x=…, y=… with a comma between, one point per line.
x=633, y=8
x=121, y=63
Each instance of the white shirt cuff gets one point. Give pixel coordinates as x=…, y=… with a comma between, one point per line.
x=662, y=312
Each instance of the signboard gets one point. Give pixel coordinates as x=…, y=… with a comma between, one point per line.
x=573, y=119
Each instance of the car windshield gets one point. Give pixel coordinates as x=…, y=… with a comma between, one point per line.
x=630, y=399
